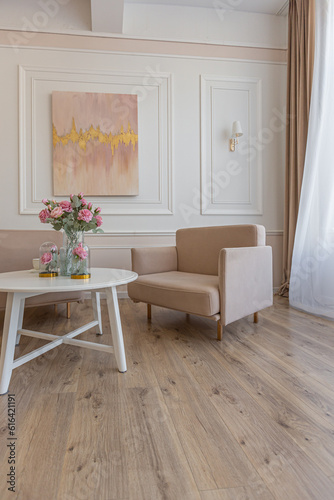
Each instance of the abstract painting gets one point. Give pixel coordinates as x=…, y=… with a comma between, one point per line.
x=95, y=143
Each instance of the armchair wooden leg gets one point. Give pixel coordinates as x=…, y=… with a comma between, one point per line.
x=68, y=310
x=256, y=317
x=149, y=311
x=220, y=330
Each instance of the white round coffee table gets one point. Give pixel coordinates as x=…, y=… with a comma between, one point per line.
x=20, y=285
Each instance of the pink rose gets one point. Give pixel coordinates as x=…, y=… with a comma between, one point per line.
x=53, y=249
x=56, y=213
x=98, y=210
x=45, y=201
x=83, y=202
x=98, y=220
x=81, y=195
x=43, y=215
x=46, y=258
x=66, y=206
x=89, y=206
x=71, y=196
x=85, y=215
x=80, y=252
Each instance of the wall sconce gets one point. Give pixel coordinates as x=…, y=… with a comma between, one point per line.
x=236, y=132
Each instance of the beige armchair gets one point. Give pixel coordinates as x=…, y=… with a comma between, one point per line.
x=222, y=273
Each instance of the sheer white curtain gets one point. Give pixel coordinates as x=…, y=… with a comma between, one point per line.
x=312, y=273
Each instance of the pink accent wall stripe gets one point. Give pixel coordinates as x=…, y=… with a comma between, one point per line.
x=111, y=44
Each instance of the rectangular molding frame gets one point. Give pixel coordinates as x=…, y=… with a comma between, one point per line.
x=255, y=204
x=27, y=117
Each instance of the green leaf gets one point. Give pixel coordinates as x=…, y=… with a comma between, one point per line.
x=76, y=202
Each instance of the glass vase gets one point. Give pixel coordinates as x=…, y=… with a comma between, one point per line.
x=48, y=260
x=71, y=239
x=80, y=262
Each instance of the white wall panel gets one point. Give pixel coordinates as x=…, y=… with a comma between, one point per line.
x=154, y=103
x=231, y=181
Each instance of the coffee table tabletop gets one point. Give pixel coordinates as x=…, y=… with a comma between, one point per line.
x=29, y=281
x=20, y=285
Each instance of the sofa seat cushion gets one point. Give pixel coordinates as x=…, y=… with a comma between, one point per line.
x=188, y=292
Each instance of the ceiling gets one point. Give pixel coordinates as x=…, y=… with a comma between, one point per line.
x=261, y=6
x=107, y=15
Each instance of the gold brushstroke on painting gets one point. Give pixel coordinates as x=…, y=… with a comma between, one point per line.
x=82, y=138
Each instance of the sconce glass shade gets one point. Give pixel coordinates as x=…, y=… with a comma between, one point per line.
x=236, y=129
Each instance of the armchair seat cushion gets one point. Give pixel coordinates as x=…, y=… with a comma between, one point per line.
x=188, y=292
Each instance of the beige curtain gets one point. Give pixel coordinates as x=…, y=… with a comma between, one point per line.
x=300, y=71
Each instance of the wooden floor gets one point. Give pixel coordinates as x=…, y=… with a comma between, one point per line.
x=250, y=417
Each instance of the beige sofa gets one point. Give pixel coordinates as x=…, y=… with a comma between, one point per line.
x=222, y=273
x=17, y=249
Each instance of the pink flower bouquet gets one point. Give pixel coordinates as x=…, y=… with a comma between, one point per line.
x=75, y=217
x=72, y=216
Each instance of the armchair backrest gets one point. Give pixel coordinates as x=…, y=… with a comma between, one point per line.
x=198, y=248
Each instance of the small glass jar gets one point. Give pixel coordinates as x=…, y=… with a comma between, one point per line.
x=48, y=260
x=80, y=268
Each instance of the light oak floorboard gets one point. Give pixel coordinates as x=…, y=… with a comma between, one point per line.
x=39, y=455
x=156, y=464
x=284, y=467
x=215, y=458
x=250, y=417
x=314, y=394
x=292, y=414
x=254, y=492
x=93, y=459
x=287, y=350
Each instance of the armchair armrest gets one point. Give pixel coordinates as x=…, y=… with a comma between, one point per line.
x=245, y=281
x=154, y=260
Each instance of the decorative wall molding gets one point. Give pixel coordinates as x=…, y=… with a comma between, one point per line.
x=277, y=232
x=151, y=236
x=147, y=54
x=129, y=234
x=269, y=232
x=88, y=34
x=33, y=79
x=132, y=234
x=241, y=171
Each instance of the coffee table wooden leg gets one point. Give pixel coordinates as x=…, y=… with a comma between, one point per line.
x=12, y=317
x=20, y=321
x=116, y=328
x=97, y=310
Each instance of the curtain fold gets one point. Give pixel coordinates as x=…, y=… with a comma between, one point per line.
x=312, y=273
x=299, y=86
